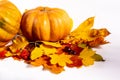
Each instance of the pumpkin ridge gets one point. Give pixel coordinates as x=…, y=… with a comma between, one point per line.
x=53, y=30
x=60, y=23
x=5, y=35
x=7, y=27
x=45, y=27
x=28, y=29
x=10, y=18
x=67, y=25
x=35, y=29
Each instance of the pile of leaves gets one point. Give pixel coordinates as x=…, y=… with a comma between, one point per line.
x=75, y=50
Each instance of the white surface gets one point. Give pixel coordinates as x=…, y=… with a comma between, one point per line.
x=107, y=14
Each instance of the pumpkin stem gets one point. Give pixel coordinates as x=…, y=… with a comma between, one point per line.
x=44, y=9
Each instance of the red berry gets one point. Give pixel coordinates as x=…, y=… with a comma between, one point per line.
x=72, y=49
x=76, y=49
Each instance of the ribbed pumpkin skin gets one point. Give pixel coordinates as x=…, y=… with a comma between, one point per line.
x=10, y=18
x=46, y=24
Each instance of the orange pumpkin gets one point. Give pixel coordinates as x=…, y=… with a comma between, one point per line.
x=10, y=18
x=47, y=24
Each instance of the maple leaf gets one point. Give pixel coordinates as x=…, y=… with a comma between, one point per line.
x=2, y=54
x=8, y=54
x=18, y=43
x=99, y=32
x=76, y=62
x=39, y=61
x=48, y=50
x=52, y=44
x=61, y=59
x=37, y=52
x=86, y=56
x=42, y=50
x=53, y=68
x=96, y=42
x=83, y=27
x=81, y=32
x=98, y=35
x=88, y=61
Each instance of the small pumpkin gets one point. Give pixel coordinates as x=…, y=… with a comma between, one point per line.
x=10, y=18
x=45, y=23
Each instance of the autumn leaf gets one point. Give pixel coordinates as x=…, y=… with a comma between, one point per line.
x=61, y=59
x=97, y=42
x=97, y=57
x=81, y=33
x=53, y=68
x=42, y=50
x=88, y=61
x=86, y=56
x=98, y=35
x=2, y=54
x=8, y=54
x=82, y=45
x=52, y=44
x=76, y=62
x=18, y=43
x=39, y=61
x=83, y=27
x=37, y=52
x=48, y=50
x=99, y=32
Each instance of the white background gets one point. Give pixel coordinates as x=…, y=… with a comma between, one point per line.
x=107, y=14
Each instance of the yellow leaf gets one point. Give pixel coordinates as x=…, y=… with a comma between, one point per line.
x=48, y=50
x=61, y=59
x=37, y=52
x=86, y=53
x=52, y=44
x=8, y=54
x=83, y=27
x=42, y=50
x=82, y=32
x=86, y=56
x=18, y=43
x=88, y=61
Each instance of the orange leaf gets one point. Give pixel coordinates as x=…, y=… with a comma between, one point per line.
x=54, y=68
x=38, y=62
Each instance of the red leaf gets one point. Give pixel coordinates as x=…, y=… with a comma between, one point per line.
x=77, y=62
x=25, y=54
x=2, y=54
